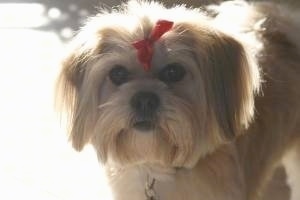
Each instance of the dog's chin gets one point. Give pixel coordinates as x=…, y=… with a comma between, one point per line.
x=165, y=141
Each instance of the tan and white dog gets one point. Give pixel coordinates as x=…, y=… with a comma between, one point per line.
x=186, y=104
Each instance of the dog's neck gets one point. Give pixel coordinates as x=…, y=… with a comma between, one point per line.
x=153, y=182
x=156, y=173
x=146, y=177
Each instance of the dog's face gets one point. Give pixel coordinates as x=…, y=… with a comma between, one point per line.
x=197, y=94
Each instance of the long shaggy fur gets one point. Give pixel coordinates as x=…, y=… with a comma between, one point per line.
x=222, y=130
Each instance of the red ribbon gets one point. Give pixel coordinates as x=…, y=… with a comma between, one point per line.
x=145, y=47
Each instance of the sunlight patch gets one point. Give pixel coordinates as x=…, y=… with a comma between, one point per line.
x=22, y=15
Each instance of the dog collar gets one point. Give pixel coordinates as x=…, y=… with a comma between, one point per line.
x=145, y=47
x=149, y=189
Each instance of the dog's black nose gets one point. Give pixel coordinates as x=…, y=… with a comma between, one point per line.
x=145, y=104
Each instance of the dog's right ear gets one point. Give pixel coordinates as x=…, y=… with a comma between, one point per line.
x=69, y=85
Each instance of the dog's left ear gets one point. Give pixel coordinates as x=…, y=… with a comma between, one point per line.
x=231, y=79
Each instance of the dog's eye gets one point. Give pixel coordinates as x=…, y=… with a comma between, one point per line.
x=118, y=75
x=173, y=72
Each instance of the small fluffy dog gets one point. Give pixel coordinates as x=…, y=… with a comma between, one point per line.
x=186, y=104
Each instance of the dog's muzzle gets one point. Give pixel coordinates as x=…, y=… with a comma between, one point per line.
x=145, y=105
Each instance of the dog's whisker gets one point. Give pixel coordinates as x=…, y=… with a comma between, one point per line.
x=106, y=104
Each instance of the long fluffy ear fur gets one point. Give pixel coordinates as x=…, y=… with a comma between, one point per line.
x=231, y=79
x=68, y=88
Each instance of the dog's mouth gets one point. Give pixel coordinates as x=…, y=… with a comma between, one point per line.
x=145, y=125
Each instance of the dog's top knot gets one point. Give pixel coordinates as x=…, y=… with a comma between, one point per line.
x=145, y=47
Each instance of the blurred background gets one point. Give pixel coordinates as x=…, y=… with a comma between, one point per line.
x=36, y=160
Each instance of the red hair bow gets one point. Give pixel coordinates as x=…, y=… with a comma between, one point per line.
x=145, y=47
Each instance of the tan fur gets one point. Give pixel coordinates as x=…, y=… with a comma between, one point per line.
x=221, y=131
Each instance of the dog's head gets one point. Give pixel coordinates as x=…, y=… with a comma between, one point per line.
x=168, y=100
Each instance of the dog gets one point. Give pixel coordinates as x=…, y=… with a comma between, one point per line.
x=184, y=103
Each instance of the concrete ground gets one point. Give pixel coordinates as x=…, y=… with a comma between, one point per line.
x=36, y=161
